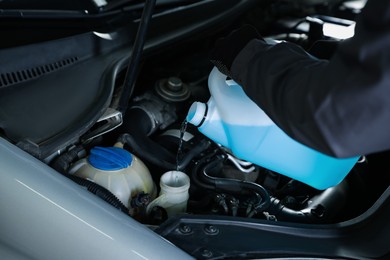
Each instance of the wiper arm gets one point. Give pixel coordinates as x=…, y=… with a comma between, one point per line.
x=37, y=13
x=139, y=5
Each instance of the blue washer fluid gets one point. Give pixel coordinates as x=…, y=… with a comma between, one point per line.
x=233, y=120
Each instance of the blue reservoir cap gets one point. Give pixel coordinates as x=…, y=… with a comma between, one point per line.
x=109, y=158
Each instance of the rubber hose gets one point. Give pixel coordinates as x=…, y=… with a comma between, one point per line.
x=99, y=191
x=283, y=213
x=200, y=147
x=323, y=207
x=235, y=186
x=139, y=132
x=62, y=163
x=195, y=172
x=228, y=185
x=145, y=153
x=136, y=138
x=273, y=205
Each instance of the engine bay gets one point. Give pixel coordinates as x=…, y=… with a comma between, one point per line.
x=152, y=138
x=154, y=130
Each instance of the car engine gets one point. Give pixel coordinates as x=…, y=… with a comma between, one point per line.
x=122, y=156
x=153, y=129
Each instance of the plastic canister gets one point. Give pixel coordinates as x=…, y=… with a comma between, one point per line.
x=117, y=170
x=173, y=195
x=233, y=120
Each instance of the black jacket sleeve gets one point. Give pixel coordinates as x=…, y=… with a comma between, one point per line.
x=341, y=106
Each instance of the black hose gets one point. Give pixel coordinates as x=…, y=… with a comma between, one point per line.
x=132, y=69
x=322, y=209
x=234, y=186
x=99, y=191
x=282, y=213
x=195, y=174
x=136, y=137
x=63, y=162
x=151, y=153
x=200, y=147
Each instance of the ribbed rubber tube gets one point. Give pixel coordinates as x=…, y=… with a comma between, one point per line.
x=99, y=191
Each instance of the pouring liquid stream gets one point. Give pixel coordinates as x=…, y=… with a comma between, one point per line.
x=183, y=128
